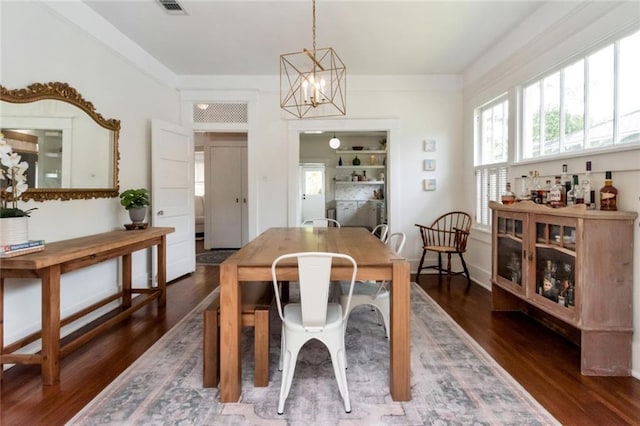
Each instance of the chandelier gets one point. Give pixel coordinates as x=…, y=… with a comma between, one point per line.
x=313, y=82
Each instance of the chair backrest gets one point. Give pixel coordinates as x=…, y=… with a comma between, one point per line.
x=380, y=231
x=314, y=275
x=396, y=241
x=450, y=229
x=321, y=222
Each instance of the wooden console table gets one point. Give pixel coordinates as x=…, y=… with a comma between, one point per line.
x=66, y=256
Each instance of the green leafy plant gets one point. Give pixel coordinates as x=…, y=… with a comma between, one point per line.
x=135, y=198
x=13, y=181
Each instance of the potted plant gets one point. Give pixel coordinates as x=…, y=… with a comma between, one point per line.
x=136, y=202
x=13, y=183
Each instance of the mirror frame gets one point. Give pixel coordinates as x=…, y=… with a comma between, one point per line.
x=63, y=92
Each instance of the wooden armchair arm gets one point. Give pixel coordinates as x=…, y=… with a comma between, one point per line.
x=455, y=237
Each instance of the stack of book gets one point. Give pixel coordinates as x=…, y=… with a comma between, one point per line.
x=10, y=250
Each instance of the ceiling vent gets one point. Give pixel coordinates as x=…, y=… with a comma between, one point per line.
x=172, y=7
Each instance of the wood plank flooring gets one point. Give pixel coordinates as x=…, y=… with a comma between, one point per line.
x=546, y=364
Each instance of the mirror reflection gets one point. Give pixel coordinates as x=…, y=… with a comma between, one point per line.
x=71, y=149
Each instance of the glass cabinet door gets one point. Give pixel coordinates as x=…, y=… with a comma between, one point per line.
x=509, y=252
x=555, y=262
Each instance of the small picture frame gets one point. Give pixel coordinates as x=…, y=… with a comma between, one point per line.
x=429, y=145
x=429, y=165
x=429, y=184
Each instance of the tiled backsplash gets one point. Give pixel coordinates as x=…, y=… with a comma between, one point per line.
x=356, y=191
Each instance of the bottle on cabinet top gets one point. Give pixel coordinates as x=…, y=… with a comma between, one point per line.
x=589, y=194
x=508, y=197
x=557, y=195
x=608, y=194
x=575, y=195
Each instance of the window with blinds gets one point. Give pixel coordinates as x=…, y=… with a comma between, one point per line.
x=490, y=182
x=492, y=153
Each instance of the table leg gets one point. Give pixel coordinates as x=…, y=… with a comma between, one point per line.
x=51, y=325
x=230, y=327
x=162, y=272
x=400, y=344
x=126, y=280
x=1, y=326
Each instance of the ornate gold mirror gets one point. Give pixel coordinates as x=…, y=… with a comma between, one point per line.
x=71, y=149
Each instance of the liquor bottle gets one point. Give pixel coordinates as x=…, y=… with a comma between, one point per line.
x=340, y=161
x=545, y=194
x=575, y=195
x=557, y=194
x=566, y=179
x=524, y=189
x=589, y=194
x=536, y=190
x=508, y=197
x=608, y=194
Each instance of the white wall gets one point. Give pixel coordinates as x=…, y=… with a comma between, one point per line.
x=536, y=49
x=38, y=46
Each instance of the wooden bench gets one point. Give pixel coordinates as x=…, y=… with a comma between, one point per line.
x=256, y=300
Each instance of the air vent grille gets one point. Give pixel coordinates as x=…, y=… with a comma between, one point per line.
x=172, y=7
x=220, y=112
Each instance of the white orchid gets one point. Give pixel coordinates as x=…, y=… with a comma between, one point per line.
x=16, y=180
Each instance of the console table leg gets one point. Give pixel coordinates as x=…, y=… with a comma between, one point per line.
x=162, y=272
x=51, y=325
x=126, y=280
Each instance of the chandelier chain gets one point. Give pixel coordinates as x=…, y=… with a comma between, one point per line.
x=314, y=28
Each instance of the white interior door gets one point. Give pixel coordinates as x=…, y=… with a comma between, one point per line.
x=172, y=192
x=312, y=191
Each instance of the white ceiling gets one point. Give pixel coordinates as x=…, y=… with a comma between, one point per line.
x=371, y=37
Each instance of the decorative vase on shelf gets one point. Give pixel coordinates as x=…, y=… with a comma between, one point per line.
x=14, y=230
x=356, y=161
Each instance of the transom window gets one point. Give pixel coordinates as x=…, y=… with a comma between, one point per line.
x=591, y=103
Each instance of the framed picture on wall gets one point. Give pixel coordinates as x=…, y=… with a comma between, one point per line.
x=429, y=185
x=429, y=165
x=429, y=145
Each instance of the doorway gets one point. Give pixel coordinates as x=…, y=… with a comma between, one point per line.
x=312, y=191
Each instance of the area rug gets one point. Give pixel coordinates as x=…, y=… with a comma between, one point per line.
x=213, y=257
x=454, y=381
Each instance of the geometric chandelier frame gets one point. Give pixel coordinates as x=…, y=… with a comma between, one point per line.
x=313, y=83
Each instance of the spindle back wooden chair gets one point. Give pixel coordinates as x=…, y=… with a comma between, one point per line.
x=448, y=235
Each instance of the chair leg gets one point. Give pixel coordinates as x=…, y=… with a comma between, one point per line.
x=338, y=360
x=289, y=367
x=439, y=269
x=424, y=252
x=466, y=271
x=448, y=269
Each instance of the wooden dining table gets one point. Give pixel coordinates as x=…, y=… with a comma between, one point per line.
x=252, y=263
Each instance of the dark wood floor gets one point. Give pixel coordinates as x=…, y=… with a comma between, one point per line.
x=546, y=364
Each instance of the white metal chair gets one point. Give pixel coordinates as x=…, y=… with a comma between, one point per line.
x=373, y=293
x=321, y=222
x=313, y=318
x=380, y=231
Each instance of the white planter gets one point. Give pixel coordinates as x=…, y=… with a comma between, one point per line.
x=14, y=230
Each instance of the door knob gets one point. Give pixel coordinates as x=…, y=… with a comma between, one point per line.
x=160, y=213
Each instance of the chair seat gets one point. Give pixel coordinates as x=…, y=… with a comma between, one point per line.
x=292, y=313
x=441, y=249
